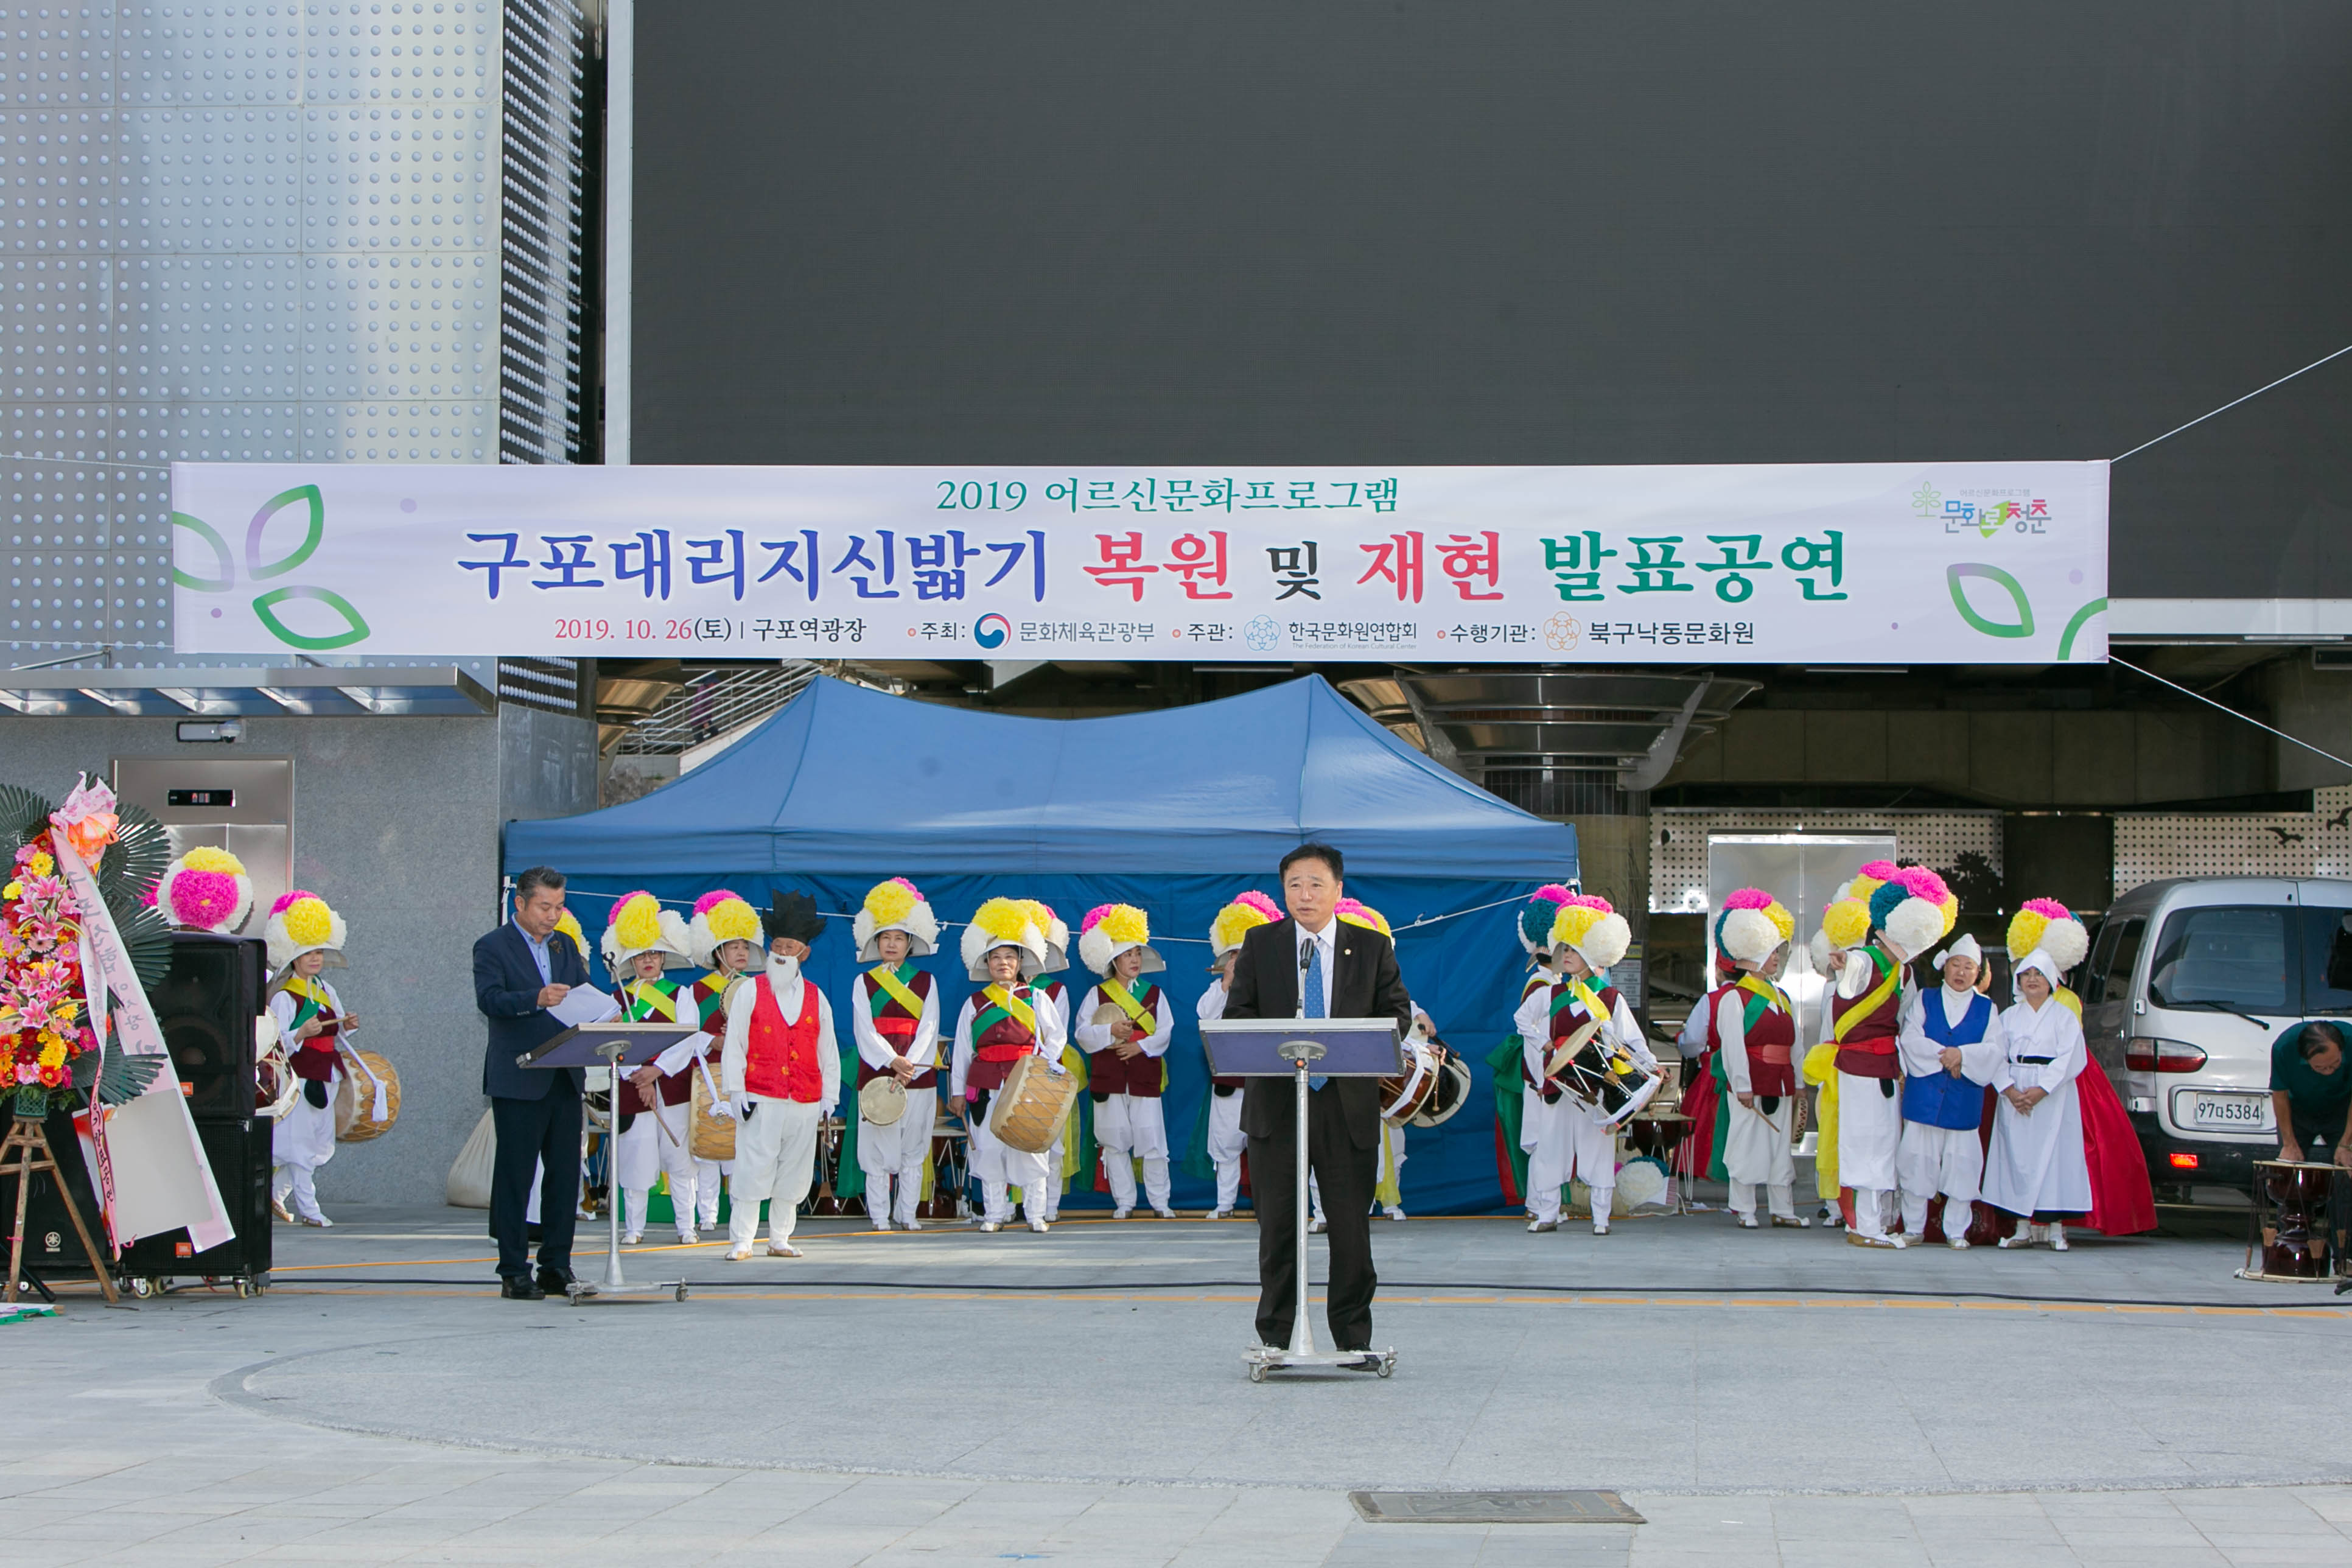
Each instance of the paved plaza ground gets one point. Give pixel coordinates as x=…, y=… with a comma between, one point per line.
x=948, y=1397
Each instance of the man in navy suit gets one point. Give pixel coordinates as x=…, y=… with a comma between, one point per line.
x=521, y=969
x=1312, y=965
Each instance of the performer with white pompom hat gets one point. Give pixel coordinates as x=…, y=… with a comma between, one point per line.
x=1752, y=1035
x=1565, y=1135
x=894, y=1019
x=1223, y=1138
x=1951, y=1046
x=304, y=936
x=1126, y=1024
x=650, y=1105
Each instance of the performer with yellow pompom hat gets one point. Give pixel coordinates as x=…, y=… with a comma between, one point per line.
x=722, y=938
x=1222, y=1138
x=1751, y=1036
x=304, y=936
x=650, y=1105
x=1008, y=1019
x=1951, y=1046
x=1565, y=1135
x=1910, y=910
x=894, y=1019
x=1845, y=925
x=1065, y=1152
x=1125, y=1027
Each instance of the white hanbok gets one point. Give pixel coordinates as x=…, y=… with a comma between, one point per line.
x=897, y=1153
x=304, y=1138
x=1565, y=1138
x=1131, y=1126
x=775, y=1149
x=1058, y=1157
x=1756, y=1147
x=1946, y=1160
x=2036, y=1164
x=1227, y=1142
x=1870, y=1119
x=996, y=1167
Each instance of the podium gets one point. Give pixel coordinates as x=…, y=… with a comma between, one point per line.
x=1301, y=1049
x=616, y=1046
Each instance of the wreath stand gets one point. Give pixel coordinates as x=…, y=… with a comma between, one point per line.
x=25, y=1153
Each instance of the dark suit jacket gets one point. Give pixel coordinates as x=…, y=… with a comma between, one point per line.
x=506, y=988
x=1364, y=984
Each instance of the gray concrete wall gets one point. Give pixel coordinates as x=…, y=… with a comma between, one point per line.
x=2003, y=758
x=2314, y=705
x=396, y=824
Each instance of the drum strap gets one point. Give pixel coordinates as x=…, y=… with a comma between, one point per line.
x=1001, y=1004
x=380, y=1109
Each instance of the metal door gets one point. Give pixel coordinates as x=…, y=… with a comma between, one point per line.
x=1804, y=871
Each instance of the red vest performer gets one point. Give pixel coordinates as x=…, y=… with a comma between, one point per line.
x=780, y=1060
x=894, y=1019
x=1910, y=910
x=1126, y=1024
x=1008, y=1019
x=1752, y=1035
x=781, y=1068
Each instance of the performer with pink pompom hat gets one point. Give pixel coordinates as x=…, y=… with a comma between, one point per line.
x=1910, y=909
x=206, y=890
x=304, y=936
x=1752, y=1035
x=1223, y=1138
x=894, y=1016
x=1125, y=1027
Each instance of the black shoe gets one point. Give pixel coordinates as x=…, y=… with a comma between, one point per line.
x=521, y=1289
x=562, y=1282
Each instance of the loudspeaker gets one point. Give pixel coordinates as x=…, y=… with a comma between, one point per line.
x=239, y=1154
x=206, y=1003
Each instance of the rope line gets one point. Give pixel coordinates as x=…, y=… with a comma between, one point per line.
x=2257, y=392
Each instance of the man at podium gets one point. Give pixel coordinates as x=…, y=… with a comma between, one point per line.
x=1311, y=965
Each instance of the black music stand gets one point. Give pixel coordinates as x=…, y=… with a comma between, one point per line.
x=1276, y=1048
x=614, y=1045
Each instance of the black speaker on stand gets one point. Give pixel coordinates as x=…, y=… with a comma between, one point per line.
x=206, y=1005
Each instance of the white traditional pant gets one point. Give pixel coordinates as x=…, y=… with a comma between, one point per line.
x=997, y=1168
x=1756, y=1153
x=1946, y=1160
x=775, y=1159
x=1227, y=1143
x=1129, y=1127
x=898, y=1152
x=303, y=1140
x=1870, y=1132
x=643, y=1153
x=1564, y=1139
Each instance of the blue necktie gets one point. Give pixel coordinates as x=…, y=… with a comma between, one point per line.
x=1311, y=997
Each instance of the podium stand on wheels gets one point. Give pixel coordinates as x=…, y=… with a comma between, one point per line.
x=1299, y=1048
x=616, y=1046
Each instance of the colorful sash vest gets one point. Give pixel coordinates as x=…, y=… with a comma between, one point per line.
x=1768, y=1030
x=894, y=1000
x=1108, y=1073
x=1866, y=1026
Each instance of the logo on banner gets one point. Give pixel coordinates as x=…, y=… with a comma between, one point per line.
x=354, y=628
x=991, y=630
x=1261, y=634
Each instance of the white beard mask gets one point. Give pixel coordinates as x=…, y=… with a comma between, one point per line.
x=782, y=971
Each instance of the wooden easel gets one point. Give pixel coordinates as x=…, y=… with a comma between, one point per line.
x=23, y=1153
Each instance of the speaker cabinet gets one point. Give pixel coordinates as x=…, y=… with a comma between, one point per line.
x=206, y=1005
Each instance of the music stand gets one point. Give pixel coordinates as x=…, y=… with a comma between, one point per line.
x=615, y=1046
x=1276, y=1048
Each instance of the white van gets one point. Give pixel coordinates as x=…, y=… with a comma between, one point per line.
x=2187, y=984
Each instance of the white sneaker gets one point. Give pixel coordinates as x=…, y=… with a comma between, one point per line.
x=319, y=1220
x=1038, y=1225
x=1749, y=1222
x=1957, y=1243
x=631, y=1238
x=1120, y=1214
x=881, y=1222
x=1165, y=1214
x=1600, y=1228
x=1395, y=1213
x=1316, y=1227
x=740, y=1253
x=1218, y=1214
x=913, y=1224
x=1538, y=1227
x=783, y=1249
x=2057, y=1236
x=990, y=1226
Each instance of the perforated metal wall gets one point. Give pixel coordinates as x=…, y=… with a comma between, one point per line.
x=2151, y=848
x=1678, y=848
x=232, y=231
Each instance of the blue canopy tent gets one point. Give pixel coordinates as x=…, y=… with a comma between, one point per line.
x=1175, y=812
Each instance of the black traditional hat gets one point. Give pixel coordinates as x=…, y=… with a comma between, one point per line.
x=794, y=915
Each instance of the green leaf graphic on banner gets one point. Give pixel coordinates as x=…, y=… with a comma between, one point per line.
x=2020, y=627
x=206, y=531
x=2082, y=618
x=271, y=509
x=265, y=608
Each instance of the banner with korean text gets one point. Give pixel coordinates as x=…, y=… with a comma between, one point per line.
x=1816, y=564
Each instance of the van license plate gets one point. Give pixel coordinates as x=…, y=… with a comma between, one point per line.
x=2228, y=1112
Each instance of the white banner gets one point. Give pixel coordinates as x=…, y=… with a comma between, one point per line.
x=1818, y=563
